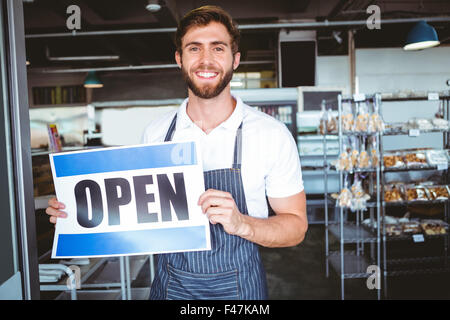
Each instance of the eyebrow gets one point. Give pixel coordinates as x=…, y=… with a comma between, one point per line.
x=213, y=43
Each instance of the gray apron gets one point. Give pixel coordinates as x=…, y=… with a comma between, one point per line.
x=232, y=269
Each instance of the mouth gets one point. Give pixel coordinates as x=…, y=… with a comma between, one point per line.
x=206, y=74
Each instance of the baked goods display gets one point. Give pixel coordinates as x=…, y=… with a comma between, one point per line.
x=393, y=128
x=354, y=157
x=392, y=193
x=412, y=192
x=328, y=122
x=394, y=160
x=343, y=163
x=376, y=124
x=439, y=192
x=397, y=180
x=394, y=229
x=405, y=226
x=359, y=154
x=437, y=157
x=363, y=119
x=362, y=122
x=363, y=160
x=440, y=124
x=356, y=160
x=424, y=124
x=374, y=158
x=345, y=198
x=410, y=227
x=415, y=159
x=347, y=122
x=434, y=227
x=420, y=124
x=416, y=193
x=353, y=198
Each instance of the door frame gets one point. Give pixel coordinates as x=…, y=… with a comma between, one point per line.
x=15, y=58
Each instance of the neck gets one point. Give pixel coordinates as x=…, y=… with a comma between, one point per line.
x=210, y=113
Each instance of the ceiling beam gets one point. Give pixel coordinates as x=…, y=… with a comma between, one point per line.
x=263, y=26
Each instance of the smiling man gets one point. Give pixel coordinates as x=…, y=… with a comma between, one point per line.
x=248, y=157
x=207, y=79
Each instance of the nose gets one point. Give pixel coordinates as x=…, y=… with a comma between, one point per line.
x=206, y=57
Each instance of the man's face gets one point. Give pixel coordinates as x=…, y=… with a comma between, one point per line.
x=207, y=61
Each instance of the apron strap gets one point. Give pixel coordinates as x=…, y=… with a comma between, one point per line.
x=171, y=130
x=237, y=156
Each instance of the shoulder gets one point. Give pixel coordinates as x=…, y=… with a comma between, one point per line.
x=157, y=128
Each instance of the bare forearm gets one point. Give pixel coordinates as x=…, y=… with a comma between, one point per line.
x=282, y=230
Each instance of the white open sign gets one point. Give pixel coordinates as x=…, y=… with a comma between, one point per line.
x=130, y=200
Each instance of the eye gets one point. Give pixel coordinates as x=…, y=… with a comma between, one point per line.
x=194, y=49
x=218, y=49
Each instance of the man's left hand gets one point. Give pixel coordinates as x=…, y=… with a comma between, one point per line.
x=220, y=207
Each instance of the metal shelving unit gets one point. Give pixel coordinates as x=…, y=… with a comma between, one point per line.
x=425, y=264
x=352, y=264
x=102, y=279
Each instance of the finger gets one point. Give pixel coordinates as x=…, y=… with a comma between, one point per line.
x=53, y=202
x=216, y=202
x=53, y=219
x=214, y=219
x=216, y=211
x=54, y=212
x=219, y=218
x=214, y=193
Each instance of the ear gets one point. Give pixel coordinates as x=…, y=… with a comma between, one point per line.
x=237, y=60
x=178, y=58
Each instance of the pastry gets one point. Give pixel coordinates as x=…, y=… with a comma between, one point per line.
x=363, y=161
x=392, y=195
x=393, y=161
x=416, y=194
x=347, y=122
x=374, y=158
x=438, y=192
x=433, y=227
x=362, y=122
x=415, y=159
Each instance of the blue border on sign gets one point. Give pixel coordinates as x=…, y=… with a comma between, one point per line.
x=122, y=159
x=131, y=242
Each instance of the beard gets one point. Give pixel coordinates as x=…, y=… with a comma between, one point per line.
x=207, y=91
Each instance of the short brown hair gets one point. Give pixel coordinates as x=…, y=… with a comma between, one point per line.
x=203, y=16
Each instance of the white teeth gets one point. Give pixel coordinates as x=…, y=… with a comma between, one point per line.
x=206, y=74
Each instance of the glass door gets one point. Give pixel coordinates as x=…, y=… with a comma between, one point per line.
x=18, y=255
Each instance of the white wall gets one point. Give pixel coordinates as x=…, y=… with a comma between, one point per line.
x=333, y=71
x=389, y=70
x=394, y=70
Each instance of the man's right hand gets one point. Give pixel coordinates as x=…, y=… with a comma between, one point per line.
x=54, y=210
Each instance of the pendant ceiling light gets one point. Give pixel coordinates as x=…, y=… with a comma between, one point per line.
x=153, y=6
x=421, y=36
x=92, y=81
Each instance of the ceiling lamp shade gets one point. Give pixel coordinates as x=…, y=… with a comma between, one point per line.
x=92, y=81
x=153, y=6
x=421, y=36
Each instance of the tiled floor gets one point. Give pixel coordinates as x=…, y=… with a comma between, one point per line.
x=299, y=273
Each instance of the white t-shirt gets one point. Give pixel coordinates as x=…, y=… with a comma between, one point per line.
x=270, y=160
